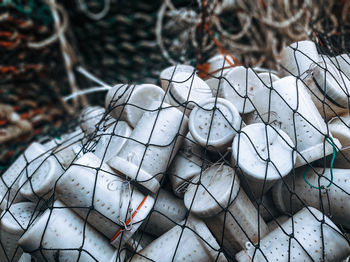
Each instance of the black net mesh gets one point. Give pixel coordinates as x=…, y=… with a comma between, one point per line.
x=222, y=162
x=32, y=77
x=122, y=38
x=244, y=164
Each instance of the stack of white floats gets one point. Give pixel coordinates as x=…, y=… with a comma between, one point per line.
x=246, y=164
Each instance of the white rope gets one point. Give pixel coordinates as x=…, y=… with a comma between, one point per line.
x=93, y=78
x=95, y=16
x=86, y=91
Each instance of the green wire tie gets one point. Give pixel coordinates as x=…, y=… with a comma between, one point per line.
x=331, y=167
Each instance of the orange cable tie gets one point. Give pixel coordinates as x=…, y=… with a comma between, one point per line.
x=129, y=220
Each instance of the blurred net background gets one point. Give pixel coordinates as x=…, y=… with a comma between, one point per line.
x=51, y=50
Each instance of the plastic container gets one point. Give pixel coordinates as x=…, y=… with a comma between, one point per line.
x=61, y=235
x=277, y=223
x=328, y=90
x=9, y=182
x=152, y=146
x=333, y=83
x=214, y=123
x=268, y=210
x=38, y=179
x=90, y=117
x=192, y=242
x=105, y=199
x=13, y=223
x=268, y=78
x=186, y=90
x=252, y=118
x=219, y=66
x=240, y=86
x=292, y=110
x=26, y=258
x=297, y=58
x=342, y=62
x=129, y=102
x=137, y=242
x=260, y=70
x=332, y=195
x=67, y=148
x=112, y=139
x=220, y=189
x=182, y=171
x=214, y=84
x=167, y=212
x=312, y=240
x=187, y=164
x=251, y=150
x=340, y=129
x=192, y=149
x=167, y=75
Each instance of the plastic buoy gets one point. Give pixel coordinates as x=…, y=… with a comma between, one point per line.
x=220, y=190
x=61, y=235
x=313, y=240
x=153, y=144
x=264, y=155
x=90, y=183
x=214, y=123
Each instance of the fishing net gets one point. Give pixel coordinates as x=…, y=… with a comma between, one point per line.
x=121, y=35
x=33, y=75
x=218, y=162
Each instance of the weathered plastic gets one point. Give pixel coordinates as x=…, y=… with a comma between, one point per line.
x=328, y=89
x=226, y=209
x=312, y=241
x=91, y=116
x=167, y=75
x=329, y=194
x=340, y=129
x=167, y=212
x=67, y=148
x=342, y=62
x=138, y=241
x=113, y=199
x=129, y=102
x=38, y=179
x=13, y=223
x=219, y=65
x=268, y=78
x=9, y=182
x=291, y=109
x=186, y=90
x=214, y=123
x=187, y=164
x=190, y=242
x=240, y=85
x=297, y=58
x=264, y=155
x=278, y=222
x=61, y=235
x=152, y=146
x=26, y=258
x=112, y=139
